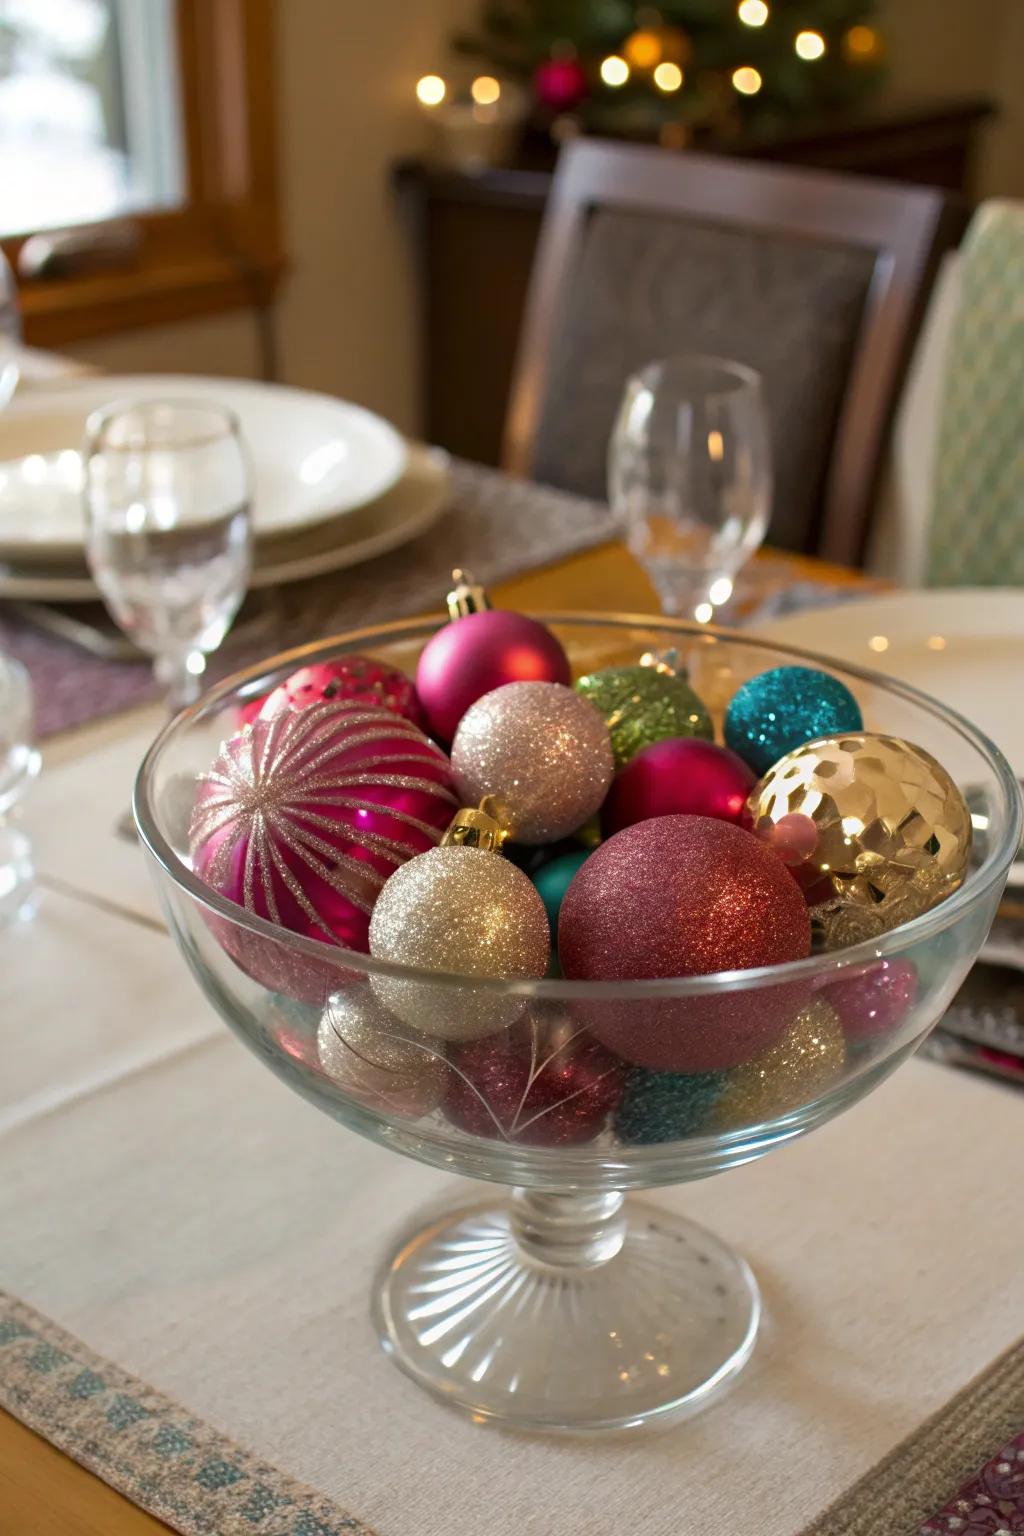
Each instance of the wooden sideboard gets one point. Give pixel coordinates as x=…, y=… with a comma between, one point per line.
x=474, y=238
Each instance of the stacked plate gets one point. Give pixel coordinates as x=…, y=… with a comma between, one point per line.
x=334, y=484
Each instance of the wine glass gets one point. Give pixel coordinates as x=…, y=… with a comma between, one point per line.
x=689, y=475
x=568, y=1306
x=10, y=332
x=19, y=764
x=167, y=493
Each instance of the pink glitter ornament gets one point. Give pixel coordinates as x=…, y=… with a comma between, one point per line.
x=300, y=820
x=681, y=776
x=349, y=679
x=873, y=1000
x=560, y=83
x=479, y=652
x=684, y=896
x=542, y=1084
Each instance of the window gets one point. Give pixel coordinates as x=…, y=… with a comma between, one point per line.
x=158, y=112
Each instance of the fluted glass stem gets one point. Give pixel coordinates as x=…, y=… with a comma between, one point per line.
x=568, y=1231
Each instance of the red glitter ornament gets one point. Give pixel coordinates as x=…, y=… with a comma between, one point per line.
x=680, y=776
x=480, y=652
x=874, y=1000
x=347, y=679
x=543, y=1084
x=560, y=84
x=300, y=820
x=684, y=896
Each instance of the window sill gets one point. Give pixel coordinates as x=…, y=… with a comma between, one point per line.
x=61, y=311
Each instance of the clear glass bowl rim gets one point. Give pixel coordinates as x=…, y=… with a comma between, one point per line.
x=897, y=940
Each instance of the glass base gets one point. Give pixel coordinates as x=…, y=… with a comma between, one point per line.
x=567, y=1312
x=17, y=876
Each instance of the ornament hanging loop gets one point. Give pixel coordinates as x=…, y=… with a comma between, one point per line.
x=467, y=596
x=480, y=826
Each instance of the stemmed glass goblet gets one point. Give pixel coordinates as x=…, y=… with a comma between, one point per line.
x=19, y=764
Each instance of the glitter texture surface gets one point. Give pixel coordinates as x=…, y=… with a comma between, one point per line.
x=540, y=749
x=796, y=1069
x=772, y=714
x=641, y=705
x=876, y=999
x=666, y=1106
x=466, y=911
x=888, y=832
x=370, y=1056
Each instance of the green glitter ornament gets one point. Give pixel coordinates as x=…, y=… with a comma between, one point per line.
x=666, y=1106
x=644, y=704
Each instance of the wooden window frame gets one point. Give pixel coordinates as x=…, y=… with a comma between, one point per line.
x=222, y=249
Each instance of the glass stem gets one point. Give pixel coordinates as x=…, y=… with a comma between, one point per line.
x=568, y=1231
x=176, y=674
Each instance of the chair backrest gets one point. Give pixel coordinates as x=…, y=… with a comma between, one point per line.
x=816, y=280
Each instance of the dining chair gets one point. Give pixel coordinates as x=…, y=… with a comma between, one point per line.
x=952, y=509
x=816, y=280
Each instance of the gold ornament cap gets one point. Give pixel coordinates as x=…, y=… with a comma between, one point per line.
x=467, y=596
x=483, y=826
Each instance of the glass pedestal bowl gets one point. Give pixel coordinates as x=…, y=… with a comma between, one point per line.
x=567, y=1306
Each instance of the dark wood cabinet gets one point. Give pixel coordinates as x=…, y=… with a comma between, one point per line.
x=475, y=235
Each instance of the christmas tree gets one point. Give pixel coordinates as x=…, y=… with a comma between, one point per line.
x=687, y=69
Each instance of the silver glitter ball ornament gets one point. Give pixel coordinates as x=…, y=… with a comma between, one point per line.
x=464, y=911
x=539, y=749
x=375, y=1059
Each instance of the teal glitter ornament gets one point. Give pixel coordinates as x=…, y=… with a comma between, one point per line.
x=554, y=879
x=778, y=711
x=645, y=703
x=666, y=1106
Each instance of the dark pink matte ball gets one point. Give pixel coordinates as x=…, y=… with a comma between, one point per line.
x=681, y=776
x=684, y=896
x=473, y=655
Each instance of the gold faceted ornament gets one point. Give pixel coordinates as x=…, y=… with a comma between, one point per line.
x=796, y=1069
x=873, y=828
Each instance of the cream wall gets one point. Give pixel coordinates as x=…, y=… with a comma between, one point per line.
x=346, y=320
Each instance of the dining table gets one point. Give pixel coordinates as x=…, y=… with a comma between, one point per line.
x=199, y=1278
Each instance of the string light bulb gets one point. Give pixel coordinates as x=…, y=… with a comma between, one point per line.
x=752, y=13
x=643, y=49
x=614, y=70
x=809, y=45
x=485, y=91
x=431, y=90
x=746, y=80
x=668, y=77
x=862, y=44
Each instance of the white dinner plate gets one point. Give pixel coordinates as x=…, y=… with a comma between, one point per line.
x=400, y=515
x=313, y=457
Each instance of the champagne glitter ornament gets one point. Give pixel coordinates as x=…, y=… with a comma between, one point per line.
x=799, y=1067
x=539, y=749
x=375, y=1059
x=779, y=710
x=643, y=704
x=300, y=820
x=872, y=827
x=463, y=909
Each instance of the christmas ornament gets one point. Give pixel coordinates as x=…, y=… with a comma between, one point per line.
x=695, y=778
x=376, y=1060
x=300, y=820
x=560, y=84
x=796, y=1069
x=465, y=910
x=554, y=879
x=872, y=827
x=542, y=751
x=644, y=704
x=875, y=999
x=665, y=1106
x=684, y=896
x=483, y=648
x=353, y=679
x=545, y=1084
x=780, y=710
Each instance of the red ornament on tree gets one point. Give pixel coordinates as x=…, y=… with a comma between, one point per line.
x=546, y=1085
x=347, y=679
x=560, y=84
x=681, y=776
x=684, y=896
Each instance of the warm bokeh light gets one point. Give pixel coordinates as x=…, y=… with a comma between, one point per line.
x=716, y=446
x=862, y=43
x=746, y=80
x=614, y=70
x=809, y=45
x=643, y=49
x=879, y=642
x=752, y=13
x=485, y=90
x=668, y=77
x=431, y=90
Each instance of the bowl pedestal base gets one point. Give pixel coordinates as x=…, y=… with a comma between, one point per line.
x=567, y=1312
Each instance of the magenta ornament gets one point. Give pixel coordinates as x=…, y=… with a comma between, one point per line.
x=873, y=1000
x=681, y=776
x=560, y=84
x=479, y=652
x=300, y=820
x=346, y=679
